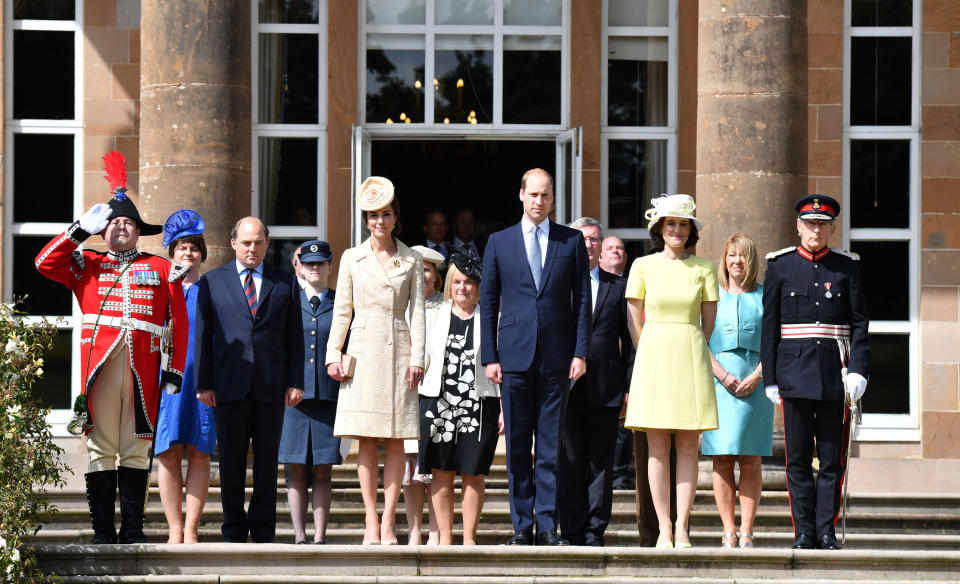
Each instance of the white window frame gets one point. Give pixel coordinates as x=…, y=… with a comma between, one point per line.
x=317, y=131
x=497, y=30
x=666, y=133
x=57, y=418
x=890, y=427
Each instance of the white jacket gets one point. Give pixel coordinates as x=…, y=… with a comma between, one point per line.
x=436, y=346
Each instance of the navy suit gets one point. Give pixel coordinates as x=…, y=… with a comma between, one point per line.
x=801, y=287
x=534, y=340
x=249, y=362
x=592, y=419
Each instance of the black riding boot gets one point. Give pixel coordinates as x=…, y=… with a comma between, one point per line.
x=133, y=494
x=102, y=498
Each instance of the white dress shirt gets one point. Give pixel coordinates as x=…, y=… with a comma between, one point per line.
x=527, y=227
x=257, y=276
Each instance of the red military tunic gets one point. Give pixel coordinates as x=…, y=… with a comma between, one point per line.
x=129, y=293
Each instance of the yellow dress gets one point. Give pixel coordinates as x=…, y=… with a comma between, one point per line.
x=672, y=384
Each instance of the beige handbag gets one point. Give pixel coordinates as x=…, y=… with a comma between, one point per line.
x=349, y=364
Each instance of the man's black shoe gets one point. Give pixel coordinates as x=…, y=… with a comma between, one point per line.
x=804, y=541
x=827, y=541
x=550, y=538
x=521, y=538
x=595, y=541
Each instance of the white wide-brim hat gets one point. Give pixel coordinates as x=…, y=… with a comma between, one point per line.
x=375, y=193
x=429, y=255
x=672, y=206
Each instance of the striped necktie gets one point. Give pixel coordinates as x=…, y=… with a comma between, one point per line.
x=250, y=290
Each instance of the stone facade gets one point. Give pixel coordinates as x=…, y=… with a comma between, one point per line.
x=111, y=114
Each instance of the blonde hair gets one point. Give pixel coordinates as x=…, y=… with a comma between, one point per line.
x=453, y=272
x=745, y=245
x=436, y=274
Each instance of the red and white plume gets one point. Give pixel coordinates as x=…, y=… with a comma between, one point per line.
x=116, y=167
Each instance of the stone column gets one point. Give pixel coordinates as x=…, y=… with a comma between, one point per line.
x=751, y=121
x=195, y=114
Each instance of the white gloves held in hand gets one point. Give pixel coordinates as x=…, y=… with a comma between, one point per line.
x=96, y=218
x=773, y=393
x=855, y=385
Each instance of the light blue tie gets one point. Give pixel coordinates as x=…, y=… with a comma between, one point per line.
x=534, y=256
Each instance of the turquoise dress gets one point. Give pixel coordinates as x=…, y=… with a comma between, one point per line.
x=746, y=424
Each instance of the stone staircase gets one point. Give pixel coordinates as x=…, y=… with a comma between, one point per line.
x=888, y=538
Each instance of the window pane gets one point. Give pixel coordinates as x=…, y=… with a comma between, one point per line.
x=533, y=12
x=880, y=81
x=43, y=77
x=44, y=297
x=44, y=9
x=637, y=82
x=880, y=183
x=636, y=249
x=395, y=78
x=43, y=177
x=889, y=389
x=638, y=13
x=884, y=274
x=396, y=11
x=637, y=171
x=464, y=12
x=54, y=387
x=289, y=90
x=290, y=11
x=288, y=181
x=531, y=80
x=464, y=80
x=280, y=252
x=882, y=12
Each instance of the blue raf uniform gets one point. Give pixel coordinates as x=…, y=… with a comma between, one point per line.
x=814, y=333
x=307, y=436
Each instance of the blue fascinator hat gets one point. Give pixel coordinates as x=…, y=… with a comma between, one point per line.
x=182, y=223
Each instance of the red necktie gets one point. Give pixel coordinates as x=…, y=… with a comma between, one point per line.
x=250, y=289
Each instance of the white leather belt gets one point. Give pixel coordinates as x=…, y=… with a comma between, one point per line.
x=124, y=323
x=815, y=331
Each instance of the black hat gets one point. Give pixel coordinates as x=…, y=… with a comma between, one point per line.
x=467, y=262
x=120, y=205
x=315, y=251
x=817, y=207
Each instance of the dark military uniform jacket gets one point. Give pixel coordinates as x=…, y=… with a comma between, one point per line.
x=802, y=288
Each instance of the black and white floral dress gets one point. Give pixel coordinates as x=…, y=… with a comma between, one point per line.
x=458, y=430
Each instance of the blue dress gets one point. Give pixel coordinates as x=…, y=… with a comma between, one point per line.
x=746, y=424
x=182, y=418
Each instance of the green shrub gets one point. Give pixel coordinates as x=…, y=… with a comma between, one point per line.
x=29, y=459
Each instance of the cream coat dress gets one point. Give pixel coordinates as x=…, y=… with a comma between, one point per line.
x=371, y=302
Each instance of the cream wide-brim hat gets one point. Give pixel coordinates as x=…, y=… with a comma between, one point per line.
x=672, y=206
x=375, y=193
x=429, y=255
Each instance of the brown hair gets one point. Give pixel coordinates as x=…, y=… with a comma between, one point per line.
x=196, y=240
x=656, y=235
x=533, y=171
x=745, y=245
x=453, y=272
x=395, y=205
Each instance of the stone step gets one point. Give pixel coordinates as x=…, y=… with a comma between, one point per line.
x=265, y=563
x=623, y=536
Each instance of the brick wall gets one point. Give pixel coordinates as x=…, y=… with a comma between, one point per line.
x=940, y=234
x=111, y=91
x=825, y=101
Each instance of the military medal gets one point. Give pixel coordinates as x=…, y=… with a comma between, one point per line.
x=828, y=294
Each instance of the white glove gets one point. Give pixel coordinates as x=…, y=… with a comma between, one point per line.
x=773, y=393
x=96, y=218
x=170, y=389
x=855, y=385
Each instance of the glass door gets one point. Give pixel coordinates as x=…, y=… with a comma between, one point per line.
x=567, y=175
